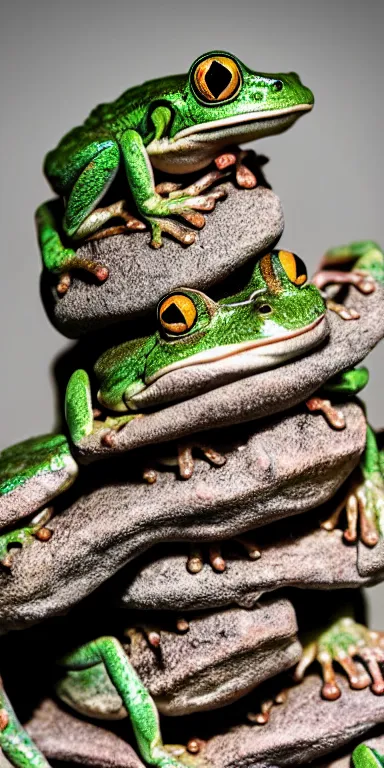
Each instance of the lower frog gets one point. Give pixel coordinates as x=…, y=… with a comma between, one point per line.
x=363, y=500
x=32, y=473
x=366, y=757
x=360, y=264
x=275, y=317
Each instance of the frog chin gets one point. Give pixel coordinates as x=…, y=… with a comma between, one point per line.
x=229, y=362
x=195, y=147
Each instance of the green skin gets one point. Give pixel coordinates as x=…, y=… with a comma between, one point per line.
x=123, y=371
x=20, y=464
x=164, y=124
x=366, y=757
x=106, y=659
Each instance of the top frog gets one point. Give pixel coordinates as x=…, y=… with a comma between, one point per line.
x=176, y=124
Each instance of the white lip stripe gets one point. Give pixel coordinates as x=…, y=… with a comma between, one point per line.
x=239, y=120
x=209, y=356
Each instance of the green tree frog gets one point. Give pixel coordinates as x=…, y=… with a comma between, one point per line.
x=275, y=317
x=177, y=124
x=366, y=757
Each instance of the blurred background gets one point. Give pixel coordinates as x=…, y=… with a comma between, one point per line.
x=60, y=59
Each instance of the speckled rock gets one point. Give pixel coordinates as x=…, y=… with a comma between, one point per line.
x=222, y=657
x=293, y=553
x=304, y=729
x=244, y=224
x=254, y=397
x=287, y=467
x=63, y=737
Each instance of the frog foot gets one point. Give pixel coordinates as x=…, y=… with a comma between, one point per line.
x=195, y=562
x=11, y=541
x=346, y=313
x=186, y=203
x=263, y=715
x=184, y=755
x=334, y=416
x=360, y=279
x=244, y=176
x=185, y=461
x=364, y=505
x=348, y=644
x=101, y=215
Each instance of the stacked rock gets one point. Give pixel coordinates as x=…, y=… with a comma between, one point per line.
x=218, y=493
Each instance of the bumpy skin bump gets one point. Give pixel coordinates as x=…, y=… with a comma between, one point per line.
x=156, y=124
x=366, y=757
x=107, y=651
x=15, y=743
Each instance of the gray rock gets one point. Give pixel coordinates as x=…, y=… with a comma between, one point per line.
x=344, y=760
x=285, y=468
x=61, y=736
x=244, y=224
x=222, y=657
x=303, y=729
x=297, y=553
x=306, y=727
x=253, y=397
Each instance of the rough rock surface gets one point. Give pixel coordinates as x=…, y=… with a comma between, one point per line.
x=287, y=467
x=61, y=736
x=253, y=397
x=244, y=224
x=222, y=657
x=344, y=761
x=303, y=729
x=294, y=553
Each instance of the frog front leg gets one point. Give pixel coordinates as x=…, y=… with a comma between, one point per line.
x=135, y=697
x=157, y=210
x=347, y=643
x=15, y=743
x=80, y=415
x=21, y=537
x=366, y=757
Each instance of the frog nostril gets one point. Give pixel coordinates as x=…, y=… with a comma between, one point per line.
x=278, y=85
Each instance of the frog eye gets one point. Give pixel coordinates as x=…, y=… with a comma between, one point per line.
x=177, y=313
x=216, y=78
x=293, y=267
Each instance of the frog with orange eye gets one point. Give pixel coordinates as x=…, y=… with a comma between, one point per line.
x=177, y=124
x=275, y=317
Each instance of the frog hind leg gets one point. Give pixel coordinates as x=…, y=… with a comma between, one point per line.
x=15, y=743
x=365, y=757
x=136, y=698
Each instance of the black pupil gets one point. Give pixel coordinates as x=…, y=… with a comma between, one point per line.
x=278, y=86
x=265, y=309
x=300, y=268
x=173, y=315
x=217, y=78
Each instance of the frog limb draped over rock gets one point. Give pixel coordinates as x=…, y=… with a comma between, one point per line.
x=276, y=316
x=366, y=757
x=176, y=124
x=32, y=473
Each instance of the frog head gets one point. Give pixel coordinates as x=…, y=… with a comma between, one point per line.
x=275, y=317
x=227, y=102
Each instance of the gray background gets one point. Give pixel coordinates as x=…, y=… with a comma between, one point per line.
x=59, y=59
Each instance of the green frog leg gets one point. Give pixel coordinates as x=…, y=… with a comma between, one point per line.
x=366, y=757
x=15, y=743
x=136, y=699
x=366, y=259
x=348, y=644
x=21, y=537
x=80, y=415
x=364, y=500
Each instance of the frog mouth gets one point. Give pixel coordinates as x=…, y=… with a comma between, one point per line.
x=232, y=361
x=237, y=121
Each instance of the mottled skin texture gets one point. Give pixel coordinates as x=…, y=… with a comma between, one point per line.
x=276, y=316
x=177, y=124
x=15, y=743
